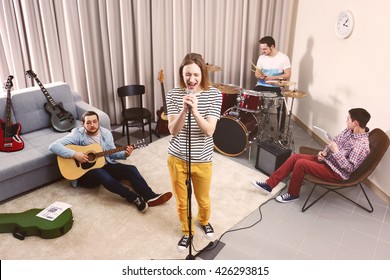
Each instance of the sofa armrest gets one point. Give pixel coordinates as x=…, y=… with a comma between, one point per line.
x=82, y=107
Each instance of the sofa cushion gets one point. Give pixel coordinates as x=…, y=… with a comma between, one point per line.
x=29, y=105
x=34, y=155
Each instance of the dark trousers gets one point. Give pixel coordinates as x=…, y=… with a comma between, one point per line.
x=110, y=175
x=281, y=109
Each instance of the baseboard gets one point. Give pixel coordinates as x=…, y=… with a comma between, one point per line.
x=376, y=189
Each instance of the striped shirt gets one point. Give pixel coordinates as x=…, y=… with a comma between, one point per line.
x=353, y=150
x=202, y=146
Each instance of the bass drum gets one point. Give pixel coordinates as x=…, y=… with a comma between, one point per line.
x=234, y=131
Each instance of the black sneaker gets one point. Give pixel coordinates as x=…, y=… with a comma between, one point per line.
x=286, y=197
x=208, y=231
x=159, y=199
x=141, y=204
x=262, y=186
x=183, y=243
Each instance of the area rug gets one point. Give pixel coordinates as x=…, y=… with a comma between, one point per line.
x=107, y=227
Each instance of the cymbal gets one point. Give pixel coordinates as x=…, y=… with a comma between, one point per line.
x=225, y=88
x=294, y=93
x=213, y=68
x=280, y=83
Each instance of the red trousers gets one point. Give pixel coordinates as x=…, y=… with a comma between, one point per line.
x=299, y=165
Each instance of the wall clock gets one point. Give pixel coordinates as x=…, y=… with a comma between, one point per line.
x=344, y=24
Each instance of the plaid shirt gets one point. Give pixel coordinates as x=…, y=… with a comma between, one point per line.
x=353, y=149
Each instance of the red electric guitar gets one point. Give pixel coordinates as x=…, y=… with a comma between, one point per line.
x=10, y=140
x=162, y=121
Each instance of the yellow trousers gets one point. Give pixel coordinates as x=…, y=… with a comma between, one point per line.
x=201, y=180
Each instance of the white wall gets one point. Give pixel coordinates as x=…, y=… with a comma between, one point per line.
x=339, y=74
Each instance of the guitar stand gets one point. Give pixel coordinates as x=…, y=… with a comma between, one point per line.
x=155, y=132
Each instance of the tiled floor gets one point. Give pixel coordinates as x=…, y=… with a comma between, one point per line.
x=333, y=229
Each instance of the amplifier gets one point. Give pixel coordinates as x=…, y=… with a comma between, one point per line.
x=270, y=156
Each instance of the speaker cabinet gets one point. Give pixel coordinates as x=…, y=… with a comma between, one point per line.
x=270, y=156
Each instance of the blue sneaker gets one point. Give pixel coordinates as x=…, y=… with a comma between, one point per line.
x=262, y=186
x=286, y=197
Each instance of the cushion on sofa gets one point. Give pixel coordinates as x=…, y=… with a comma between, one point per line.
x=29, y=105
x=34, y=155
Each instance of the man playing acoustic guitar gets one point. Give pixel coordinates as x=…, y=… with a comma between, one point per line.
x=112, y=172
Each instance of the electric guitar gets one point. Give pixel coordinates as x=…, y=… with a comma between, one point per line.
x=61, y=120
x=10, y=140
x=72, y=169
x=162, y=121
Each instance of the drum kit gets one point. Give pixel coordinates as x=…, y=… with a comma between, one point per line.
x=245, y=116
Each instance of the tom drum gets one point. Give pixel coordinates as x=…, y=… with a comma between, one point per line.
x=229, y=95
x=250, y=101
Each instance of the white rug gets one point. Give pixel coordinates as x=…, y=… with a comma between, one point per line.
x=107, y=227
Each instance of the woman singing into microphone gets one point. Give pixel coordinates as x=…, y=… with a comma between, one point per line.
x=202, y=107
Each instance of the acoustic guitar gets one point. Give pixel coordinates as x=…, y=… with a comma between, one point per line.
x=72, y=169
x=162, y=121
x=61, y=120
x=10, y=140
x=28, y=224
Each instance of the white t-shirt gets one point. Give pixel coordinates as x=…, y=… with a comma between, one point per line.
x=272, y=66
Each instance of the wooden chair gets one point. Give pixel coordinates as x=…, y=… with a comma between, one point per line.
x=134, y=116
x=379, y=142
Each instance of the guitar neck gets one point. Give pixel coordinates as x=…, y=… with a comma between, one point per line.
x=109, y=152
x=163, y=98
x=9, y=105
x=113, y=151
x=45, y=92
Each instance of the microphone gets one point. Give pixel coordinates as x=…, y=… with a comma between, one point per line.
x=190, y=92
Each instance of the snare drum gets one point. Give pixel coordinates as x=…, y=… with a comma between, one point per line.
x=250, y=101
x=270, y=100
x=234, y=131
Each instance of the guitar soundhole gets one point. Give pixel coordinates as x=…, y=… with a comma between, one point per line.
x=91, y=157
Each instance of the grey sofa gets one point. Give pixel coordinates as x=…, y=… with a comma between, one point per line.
x=35, y=165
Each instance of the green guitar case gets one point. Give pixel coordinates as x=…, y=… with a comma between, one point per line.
x=28, y=224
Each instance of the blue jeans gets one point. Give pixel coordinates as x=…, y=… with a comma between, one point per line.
x=110, y=175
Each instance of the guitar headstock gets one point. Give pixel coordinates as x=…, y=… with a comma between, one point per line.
x=31, y=74
x=161, y=76
x=8, y=83
x=141, y=143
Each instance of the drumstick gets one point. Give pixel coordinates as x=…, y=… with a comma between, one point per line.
x=258, y=69
x=254, y=65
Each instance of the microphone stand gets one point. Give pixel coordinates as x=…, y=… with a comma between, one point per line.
x=189, y=188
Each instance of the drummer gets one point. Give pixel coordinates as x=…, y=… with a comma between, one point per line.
x=272, y=65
